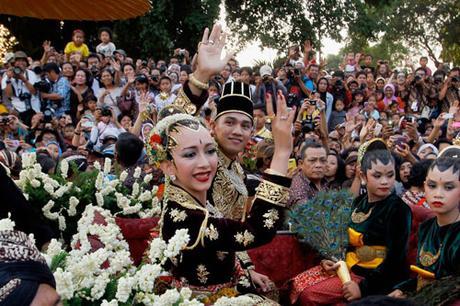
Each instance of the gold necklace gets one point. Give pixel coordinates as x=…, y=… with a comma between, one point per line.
x=360, y=217
x=427, y=258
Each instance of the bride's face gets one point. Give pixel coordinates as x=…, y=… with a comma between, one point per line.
x=194, y=159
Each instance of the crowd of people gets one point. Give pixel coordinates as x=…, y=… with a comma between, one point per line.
x=228, y=140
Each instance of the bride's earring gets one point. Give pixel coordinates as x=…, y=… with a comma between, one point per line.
x=172, y=177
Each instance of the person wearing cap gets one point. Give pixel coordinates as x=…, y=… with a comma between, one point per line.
x=268, y=85
x=18, y=84
x=120, y=55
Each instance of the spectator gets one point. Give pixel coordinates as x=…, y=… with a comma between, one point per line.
x=77, y=45
x=80, y=91
x=311, y=179
x=268, y=85
x=59, y=96
x=166, y=97
x=108, y=128
x=18, y=84
x=111, y=95
x=106, y=47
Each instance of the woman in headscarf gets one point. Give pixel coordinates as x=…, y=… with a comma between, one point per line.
x=390, y=97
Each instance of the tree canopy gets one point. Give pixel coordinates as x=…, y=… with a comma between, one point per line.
x=387, y=28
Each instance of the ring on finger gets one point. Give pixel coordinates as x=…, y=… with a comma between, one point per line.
x=211, y=42
x=283, y=117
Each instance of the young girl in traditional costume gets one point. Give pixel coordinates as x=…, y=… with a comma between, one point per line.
x=187, y=155
x=378, y=234
x=438, y=254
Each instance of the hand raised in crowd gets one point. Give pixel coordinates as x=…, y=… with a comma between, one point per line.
x=282, y=133
x=438, y=122
x=115, y=64
x=454, y=108
x=208, y=58
x=46, y=46
x=138, y=63
x=307, y=47
x=403, y=150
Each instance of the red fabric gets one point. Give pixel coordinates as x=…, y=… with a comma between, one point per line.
x=282, y=259
x=419, y=215
x=137, y=233
x=327, y=291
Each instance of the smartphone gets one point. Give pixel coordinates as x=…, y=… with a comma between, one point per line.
x=448, y=116
x=292, y=164
x=400, y=140
x=378, y=129
x=312, y=102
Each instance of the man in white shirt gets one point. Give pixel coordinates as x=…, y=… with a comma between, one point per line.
x=18, y=84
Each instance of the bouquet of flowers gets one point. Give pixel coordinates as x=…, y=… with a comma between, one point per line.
x=322, y=222
x=62, y=200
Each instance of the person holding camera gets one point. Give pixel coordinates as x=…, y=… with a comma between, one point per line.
x=58, y=98
x=450, y=92
x=269, y=85
x=107, y=128
x=18, y=84
x=420, y=93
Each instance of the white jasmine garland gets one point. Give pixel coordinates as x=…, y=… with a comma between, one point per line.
x=148, y=178
x=124, y=288
x=35, y=183
x=234, y=301
x=135, y=189
x=111, y=303
x=97, y=165
x=137, y=173
x=157, y=248
x=169, y=298
x=99, y=199
x=64, y=286
x=64, y=167
x=145, y=277
x=26, y=195
x=145, y=196
x=48, y=188
x=107, y=165
x=99, y=181
x=54, y=248
x=123, y=175
x=100, y=284
x=73, y=202
x=62, y=224
x=177, y=242
x=7, y=224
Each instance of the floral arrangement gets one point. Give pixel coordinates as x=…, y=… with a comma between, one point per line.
x=248, y=158
x=62, y=199
x=322, y=222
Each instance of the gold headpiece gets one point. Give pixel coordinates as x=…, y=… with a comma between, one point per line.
x=373, y=144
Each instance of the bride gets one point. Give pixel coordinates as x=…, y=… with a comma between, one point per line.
x=186, y=152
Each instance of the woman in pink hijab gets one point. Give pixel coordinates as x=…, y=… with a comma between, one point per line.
x=389, y=97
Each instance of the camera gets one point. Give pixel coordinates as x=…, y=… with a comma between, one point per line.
x=17, y=71
x=4, y=120
x=216, y=99
x=312, y=102
x=182, y=52
x=297, y=72
x=106, y=112
x=339, y=83
x=455, y=79
x=38, y=70
x=417, y=78
x=48, y=113
x=291, y=100
x=154, y=78
x=43, y=86
x=308, y=125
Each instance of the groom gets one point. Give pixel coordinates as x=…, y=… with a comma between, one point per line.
x=232, y=128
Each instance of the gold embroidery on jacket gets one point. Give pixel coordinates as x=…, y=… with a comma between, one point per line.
x=229, y=192
x=270, y=218
x=245, y=238
x=202, y=274
x=178, y=215
x=273, y=193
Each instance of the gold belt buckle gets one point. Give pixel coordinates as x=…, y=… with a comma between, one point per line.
x=366, y=253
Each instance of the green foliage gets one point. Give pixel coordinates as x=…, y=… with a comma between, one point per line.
x=169, y=25
x=279, y=24
x=322, y=222
x=58, y=261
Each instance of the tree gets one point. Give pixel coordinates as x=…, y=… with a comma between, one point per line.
x=280, y=23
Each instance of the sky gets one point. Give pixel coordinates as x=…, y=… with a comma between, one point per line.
x=253, y=51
